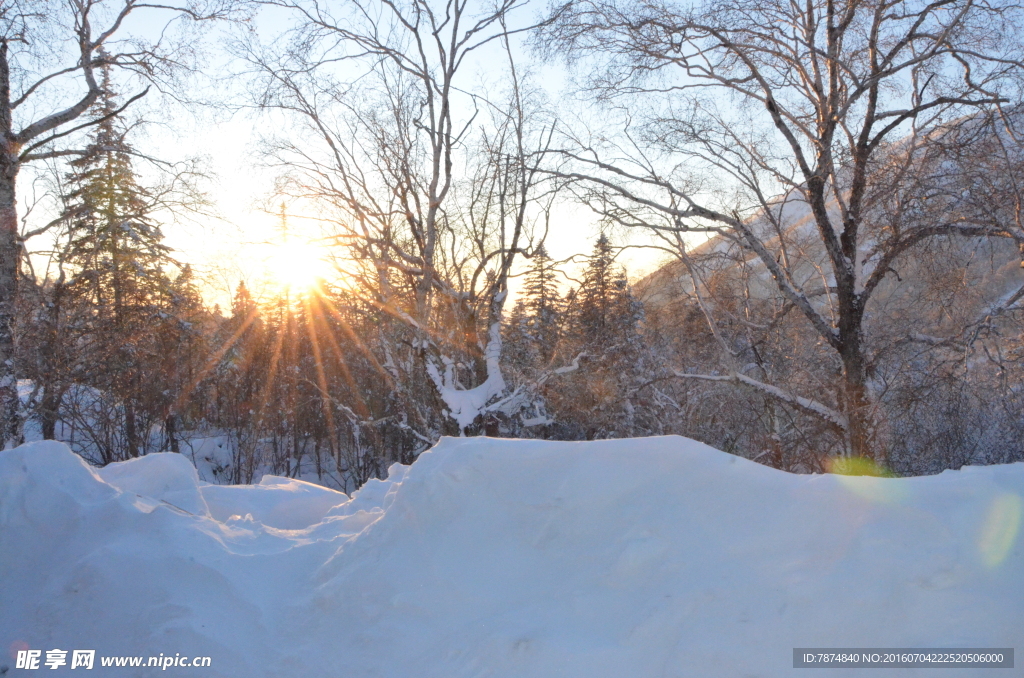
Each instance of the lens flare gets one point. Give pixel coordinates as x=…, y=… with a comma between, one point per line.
x=1000, y=530
x=867, y=479
x=857, y=466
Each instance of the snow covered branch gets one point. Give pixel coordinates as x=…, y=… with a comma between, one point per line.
x=813, y=407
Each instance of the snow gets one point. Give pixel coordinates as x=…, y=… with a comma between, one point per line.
x=166, y=477
x=282, y=503
x=644, y=557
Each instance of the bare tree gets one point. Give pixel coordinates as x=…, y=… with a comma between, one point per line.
x=50, y=56
x=812, y=137
x=428, y=187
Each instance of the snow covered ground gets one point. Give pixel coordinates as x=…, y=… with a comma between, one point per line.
x=638, y=558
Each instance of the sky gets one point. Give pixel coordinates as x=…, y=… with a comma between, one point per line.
x=239, y=236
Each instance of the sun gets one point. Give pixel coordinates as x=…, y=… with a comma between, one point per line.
x=297, y=265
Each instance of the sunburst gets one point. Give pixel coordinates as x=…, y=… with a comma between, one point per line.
x=297, y=265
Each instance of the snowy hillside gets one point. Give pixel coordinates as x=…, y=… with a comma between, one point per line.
x=639, y=558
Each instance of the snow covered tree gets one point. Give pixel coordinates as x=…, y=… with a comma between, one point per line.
x=532, y=328
x=47, y=347
x=180, y=343
x=50, y=54
x=431, y=192
x=118, y=262
x=116, y=248
x=742, y=118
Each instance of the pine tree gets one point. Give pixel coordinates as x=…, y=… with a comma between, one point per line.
x=115, y=245
x=597, y=297
x=180, y=336
x=541, y=305
x=242, y=394
x=242, y=305
x=603, y=321
x=118, y=261
x=519, y=352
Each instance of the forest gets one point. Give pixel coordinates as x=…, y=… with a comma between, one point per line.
x=834, y=189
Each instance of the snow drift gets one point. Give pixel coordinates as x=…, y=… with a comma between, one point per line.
x=649, y=557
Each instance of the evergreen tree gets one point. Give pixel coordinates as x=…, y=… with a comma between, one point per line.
x=242, y=382
x=115, y=245
x=519, y=351
x=242, y=305
x=603, y=321
x=181, y=346
x=118, y=261
x=596, y=297
x=606, y=317
x=541, y=305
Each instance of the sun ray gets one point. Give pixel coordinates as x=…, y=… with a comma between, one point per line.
x=361, y=407
x=215, y=359
x=311, y=319
x=268, y=385
x=347, y=328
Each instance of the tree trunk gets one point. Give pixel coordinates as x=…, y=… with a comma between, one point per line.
x=10, y=257
x=49, y=411
x=857, y=406
x=855, y=402
x=52, y=355
x=130, y=431
x=170, y=428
